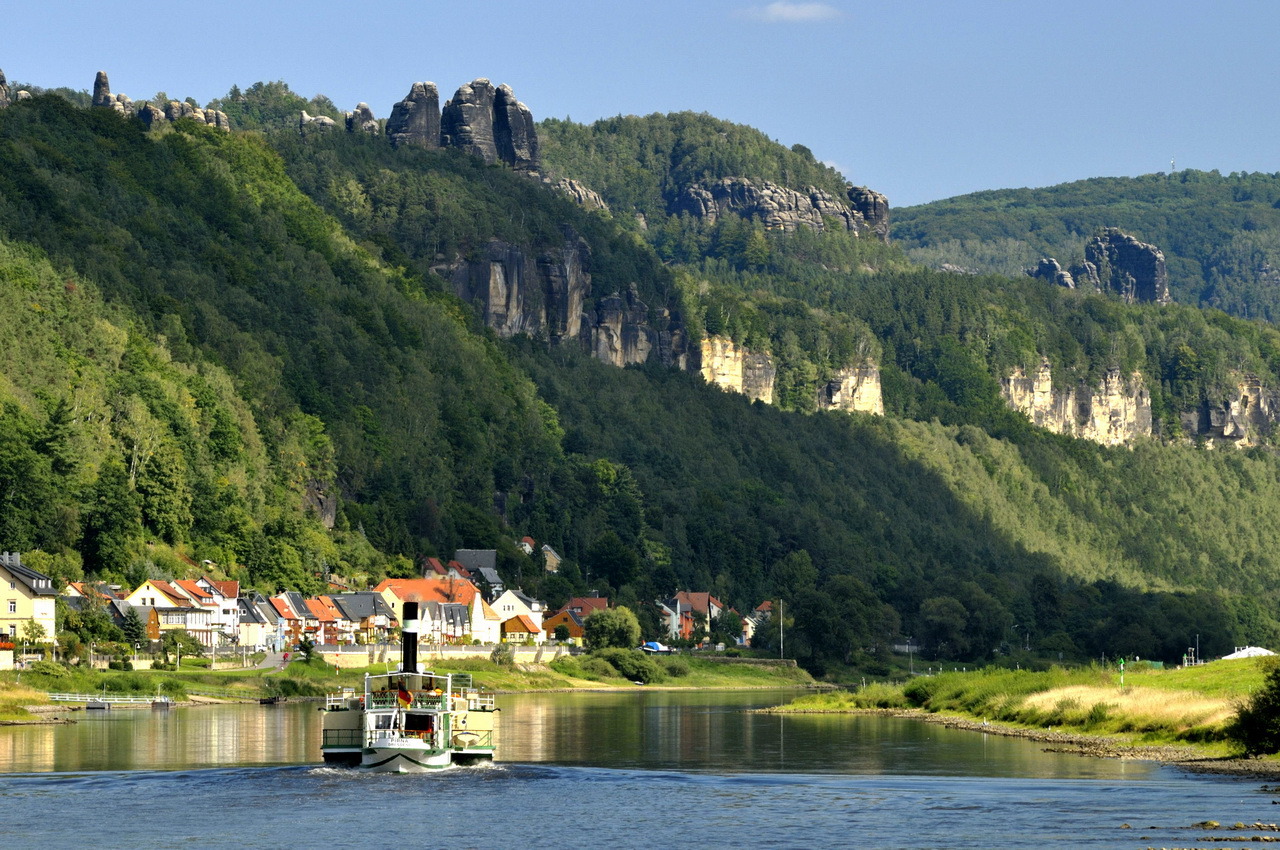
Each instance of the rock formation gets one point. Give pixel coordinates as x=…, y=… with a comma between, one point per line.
x=22, y=94
x=856, y=388
x=102, y=90
x=584, y=197
x=491, y=124
x=152, y=116
x=873, y=207
x=780, y=208
x=467, y=120
x=1050, y=271
x=416, y=119
x=514, y=134
x=1113, y=413
x=1245, y=418
x=621, y=334
x=317, y=122
x=361, y=120
x=1116, y=262
x=4, y=91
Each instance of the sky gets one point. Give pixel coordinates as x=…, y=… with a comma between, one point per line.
x=917, y=100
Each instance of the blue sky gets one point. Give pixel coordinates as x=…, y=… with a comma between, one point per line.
x=918, y=100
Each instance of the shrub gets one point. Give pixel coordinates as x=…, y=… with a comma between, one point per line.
x=920, y=691
x=597, y=668
x=124, y=664
x=48, y=668
x=503, y=655
x=1257, y=723
x=676, y=666
x=633, y=664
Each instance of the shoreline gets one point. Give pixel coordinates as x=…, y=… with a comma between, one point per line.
x=1185, y=757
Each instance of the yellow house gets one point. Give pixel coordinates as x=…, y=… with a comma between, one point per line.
x=25, y=595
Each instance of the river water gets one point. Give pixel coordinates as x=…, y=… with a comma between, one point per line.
x=636, y=769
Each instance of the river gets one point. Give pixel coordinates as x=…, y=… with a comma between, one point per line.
x=635, y=769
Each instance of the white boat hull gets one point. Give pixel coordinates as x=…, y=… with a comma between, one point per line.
x=404, y=759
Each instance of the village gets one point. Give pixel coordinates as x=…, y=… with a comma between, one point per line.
x=465, y=610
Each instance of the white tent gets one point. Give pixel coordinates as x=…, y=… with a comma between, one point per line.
x=1247, y=652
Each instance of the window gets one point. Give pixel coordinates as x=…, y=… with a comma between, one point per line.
x=13, y=606
x=13, y=585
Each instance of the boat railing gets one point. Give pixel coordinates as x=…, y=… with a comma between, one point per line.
x=480, y=700
x=334, y=702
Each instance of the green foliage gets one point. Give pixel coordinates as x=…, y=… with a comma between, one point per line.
x=632, y=664
x=1256, y=727
x=675, y=666
x=270, y=106
x=1220, y=234
x=612, y=627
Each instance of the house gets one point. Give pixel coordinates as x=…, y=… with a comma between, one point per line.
x=450, y=622
x=100, y=589
x=326, y=618
x=685, y=612
x=28, y=595
x=526, y=545
x=520, y=629
x=481, y=564
x=484, y=621
x=585, y=606
x=292, y=621
x=369, y=614
x=174, y=610
x=260, y=623
x=755, y=621
x=569, y=619
x=513, y=603
x=550, y=558
x=226, y=596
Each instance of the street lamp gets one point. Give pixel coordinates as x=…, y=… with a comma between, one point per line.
x=135, y=653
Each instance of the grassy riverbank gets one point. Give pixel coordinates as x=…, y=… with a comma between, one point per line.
x=1182, y=707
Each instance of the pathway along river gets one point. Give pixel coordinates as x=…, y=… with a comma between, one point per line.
x=636, y=769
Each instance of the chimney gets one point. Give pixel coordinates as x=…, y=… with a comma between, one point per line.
x=409, y=639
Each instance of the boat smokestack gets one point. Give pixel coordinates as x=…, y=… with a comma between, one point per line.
x=409, y=639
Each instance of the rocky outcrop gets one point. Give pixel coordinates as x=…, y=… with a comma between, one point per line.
x=724, y=363
x=102, y=90
x=4, y=91
x=547, y=296
x=1114, y=413
x=584, y=197
x=152, y=116
x=1245, y=418
x=416, y=119
x=1119, y=263
x=175, y=109
x=514, y=135
x=777, y=207
x=856, y=388
x=491, y=124
x=467, y=120
x=315, y=122
x=361, y=120
x=1050, y=271
x=873, y=207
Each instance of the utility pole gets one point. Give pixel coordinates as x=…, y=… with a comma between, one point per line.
x=781, y=637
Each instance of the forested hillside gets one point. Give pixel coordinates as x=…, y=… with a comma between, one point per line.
x=1220, y=234
x=240, y=347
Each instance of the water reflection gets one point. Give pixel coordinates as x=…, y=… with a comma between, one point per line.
x=651, y=730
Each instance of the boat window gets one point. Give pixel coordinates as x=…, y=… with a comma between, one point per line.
x=382, y=721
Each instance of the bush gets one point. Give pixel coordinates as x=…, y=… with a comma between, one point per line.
x=633, y=664
x=48, y=668
x=1257, y=723
x=676, y=666
x=503, y=655
x=120, y=665
x=597, y=668
x=919, y=691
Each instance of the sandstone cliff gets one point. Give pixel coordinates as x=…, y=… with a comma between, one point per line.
x=1114, y=413
x=1246, y=417
x=1050, y=271
x=4, y=91
x=583, y=196
x=856, y=388
x=416, y=119
x=150, y=114
x=724, y=363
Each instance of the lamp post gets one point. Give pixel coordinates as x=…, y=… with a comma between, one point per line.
x=135, y=653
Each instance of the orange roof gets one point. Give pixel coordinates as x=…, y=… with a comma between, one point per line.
x=700, y=602
x=586, y=604
x=430, y=589
x=459, y=569
x=194, y=589
x=520, y=623
x=434, y=565
x=320, y=611
x=282, y=608
x=229, y=589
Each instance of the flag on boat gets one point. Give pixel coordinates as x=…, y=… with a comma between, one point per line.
x=405, y=697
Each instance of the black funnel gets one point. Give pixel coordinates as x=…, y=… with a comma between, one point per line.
x=409, y=638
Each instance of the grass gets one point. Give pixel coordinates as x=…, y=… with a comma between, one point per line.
x=13, y=698
x=1183, y=706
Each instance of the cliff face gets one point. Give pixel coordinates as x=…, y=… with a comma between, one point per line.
x=724, y=363
x=1113, y=413
x=855, y=389
x=547, y=295
x=1117, y=262
x=1245, y=418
